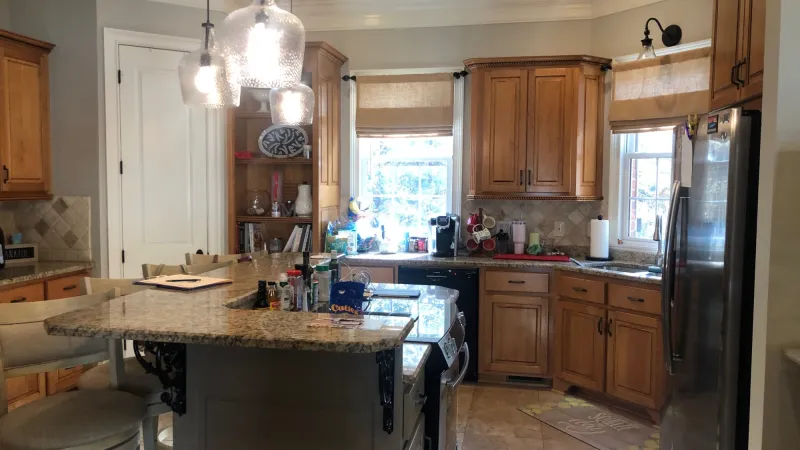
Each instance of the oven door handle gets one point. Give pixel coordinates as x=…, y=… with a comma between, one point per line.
x=460, y=377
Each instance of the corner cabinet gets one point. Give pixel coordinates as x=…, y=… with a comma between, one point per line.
x=737, y=58
x=537, y=127
x=24, y=118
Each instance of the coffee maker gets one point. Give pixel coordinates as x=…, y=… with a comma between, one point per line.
x=445, y=231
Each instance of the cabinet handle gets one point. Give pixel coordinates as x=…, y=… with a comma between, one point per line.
x=516, y=281
x=529, y=176
x=608, y=329
x=19, y=300
x=739, y=66
x=7, y=174
x=733, y=76
x=636, y=299
x=600, y=326
x=579, y=289
x=421, y=399
x=70, y=287
x=521, y=177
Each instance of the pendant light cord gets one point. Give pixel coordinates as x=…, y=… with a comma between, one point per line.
x=208, y=25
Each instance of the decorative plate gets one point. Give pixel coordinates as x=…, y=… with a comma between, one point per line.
x=282, y=141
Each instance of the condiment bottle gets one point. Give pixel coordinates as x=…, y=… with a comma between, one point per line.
x=261, y=296
x=273, y=297
x=296, y=281
x=334, y=265
x=323, y=276
x=286, y=292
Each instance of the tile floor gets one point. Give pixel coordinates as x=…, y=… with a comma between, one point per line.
x=488, y=419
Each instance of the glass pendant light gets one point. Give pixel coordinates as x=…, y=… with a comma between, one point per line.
x=263, y=45
x=648, y=52
x=293, y=105
x=203, y=76
x=670, y=36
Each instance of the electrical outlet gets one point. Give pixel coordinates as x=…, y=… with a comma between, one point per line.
x=504, y=225
x=558, y=231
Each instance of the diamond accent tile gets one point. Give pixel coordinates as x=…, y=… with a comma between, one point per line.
x=59, y=206
x=70, y=239
x=41, y=227
x=60, y=227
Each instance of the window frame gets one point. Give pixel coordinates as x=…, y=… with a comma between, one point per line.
x=460, y=134
x=619, y=203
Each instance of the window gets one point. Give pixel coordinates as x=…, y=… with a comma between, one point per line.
x=408, y=180
x=645, y=184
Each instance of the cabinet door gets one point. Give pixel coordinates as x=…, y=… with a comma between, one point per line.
x=516, y=331
x=580, y=344
x=725, y=53
x=63, y=380
x=550, y=113
x=505, y=93
x=588, y=162
x=634, y=369
x=754, y=25
x=65, y=287
x=21, y=390
x=24, y=127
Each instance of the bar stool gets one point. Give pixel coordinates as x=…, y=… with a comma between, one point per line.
x=155, y=270
x=77, y=420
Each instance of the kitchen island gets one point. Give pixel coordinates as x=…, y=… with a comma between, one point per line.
x=256, y=379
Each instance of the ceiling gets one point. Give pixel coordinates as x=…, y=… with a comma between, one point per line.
x=319, y=15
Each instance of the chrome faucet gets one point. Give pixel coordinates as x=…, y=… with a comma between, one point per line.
x=657, y=238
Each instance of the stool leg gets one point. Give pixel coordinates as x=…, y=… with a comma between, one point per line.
x=150, y=432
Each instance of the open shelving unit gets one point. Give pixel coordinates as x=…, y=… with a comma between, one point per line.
x=322, y=72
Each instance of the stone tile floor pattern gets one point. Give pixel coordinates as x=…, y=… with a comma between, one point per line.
x=488, y=419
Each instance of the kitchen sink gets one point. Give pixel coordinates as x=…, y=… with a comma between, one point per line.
x=622, y=269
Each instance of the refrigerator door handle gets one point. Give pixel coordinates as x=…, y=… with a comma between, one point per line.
x=668, y=277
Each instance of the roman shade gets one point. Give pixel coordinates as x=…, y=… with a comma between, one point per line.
x=671, y=86
x=395, y=105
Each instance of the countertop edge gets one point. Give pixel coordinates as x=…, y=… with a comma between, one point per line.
x=410, y=379
x=71, y=267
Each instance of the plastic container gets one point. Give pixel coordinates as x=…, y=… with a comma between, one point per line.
x=273, y=296
x=286, y=292
x=323, y=274
x=298, y=288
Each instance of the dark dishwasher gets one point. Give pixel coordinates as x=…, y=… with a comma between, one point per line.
x=465, y=281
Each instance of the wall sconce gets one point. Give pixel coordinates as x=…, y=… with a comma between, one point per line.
x=671, y=36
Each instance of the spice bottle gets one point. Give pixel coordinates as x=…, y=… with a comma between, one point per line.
x=261, y=296
x=286, y=292
x=273, y=297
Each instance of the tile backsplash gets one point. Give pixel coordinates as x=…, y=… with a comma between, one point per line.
x=61, y=227
x=540, y=217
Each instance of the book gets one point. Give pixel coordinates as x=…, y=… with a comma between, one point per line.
x=292, y=237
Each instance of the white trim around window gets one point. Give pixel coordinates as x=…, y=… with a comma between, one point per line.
x=458, y=131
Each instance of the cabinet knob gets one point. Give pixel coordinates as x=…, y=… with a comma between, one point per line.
x=579, y=289
x=6, y=173
x=636, y=299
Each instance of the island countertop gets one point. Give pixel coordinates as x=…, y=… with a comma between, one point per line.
x=221, y=316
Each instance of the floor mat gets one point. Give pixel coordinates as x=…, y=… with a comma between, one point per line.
x=595, y=425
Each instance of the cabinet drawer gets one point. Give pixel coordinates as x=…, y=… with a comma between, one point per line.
x=637, y=299
x=63, y=287
x=581, y=289
x=29, y=293
x=413, y=400
x=417, y=440
x=377, y=274
x=517, y=282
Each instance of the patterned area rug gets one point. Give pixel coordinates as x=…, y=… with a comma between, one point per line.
x=595, y=425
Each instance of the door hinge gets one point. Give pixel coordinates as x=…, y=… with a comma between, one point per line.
x=120, y=167
x=123, y=257
x=119, y=76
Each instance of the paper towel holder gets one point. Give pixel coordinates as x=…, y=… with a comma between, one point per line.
x=593, y=258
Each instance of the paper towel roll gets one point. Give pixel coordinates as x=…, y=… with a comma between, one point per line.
x=598, y=236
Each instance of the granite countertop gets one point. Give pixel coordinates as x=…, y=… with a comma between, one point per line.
x=414, y=357
x=426, y=260
x=221, y=316
x=13, y=274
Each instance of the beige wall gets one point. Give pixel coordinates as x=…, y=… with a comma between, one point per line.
x=73, y=94
x=775, y=395
x=5, y=15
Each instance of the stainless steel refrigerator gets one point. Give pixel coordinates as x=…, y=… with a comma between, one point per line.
x=707, y=287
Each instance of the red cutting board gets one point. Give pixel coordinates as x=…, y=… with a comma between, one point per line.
x=553, y=258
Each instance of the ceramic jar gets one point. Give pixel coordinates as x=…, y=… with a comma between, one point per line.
x=303, y=206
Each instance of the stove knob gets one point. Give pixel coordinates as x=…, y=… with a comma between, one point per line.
x=462, y=319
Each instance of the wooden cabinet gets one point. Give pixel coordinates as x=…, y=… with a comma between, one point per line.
x=518, y=340
x=610, y=343
x=634, y=369
x=503, y=155
x=513, y=324
x=24, y=118
x=737, y=57
x=580, y=344
x=376, y=274
x=22, y=390
x=537, y=127
x=65, y=287
x=29, y=293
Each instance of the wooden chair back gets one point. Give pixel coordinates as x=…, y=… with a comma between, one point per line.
x=157, y=270
x=26, y=348
x=125, y=285
x=193, y=258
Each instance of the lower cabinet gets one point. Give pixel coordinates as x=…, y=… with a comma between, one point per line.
x=22, y=390
x=634, y=370
x=518, y=334
x=580, y=344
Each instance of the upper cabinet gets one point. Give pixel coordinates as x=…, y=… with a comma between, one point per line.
x=537, y=127
x=737, y=69
x=24, y=118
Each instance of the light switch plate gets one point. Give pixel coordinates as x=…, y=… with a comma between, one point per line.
x=558, y=230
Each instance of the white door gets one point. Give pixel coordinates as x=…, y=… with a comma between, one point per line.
x=164, y=155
